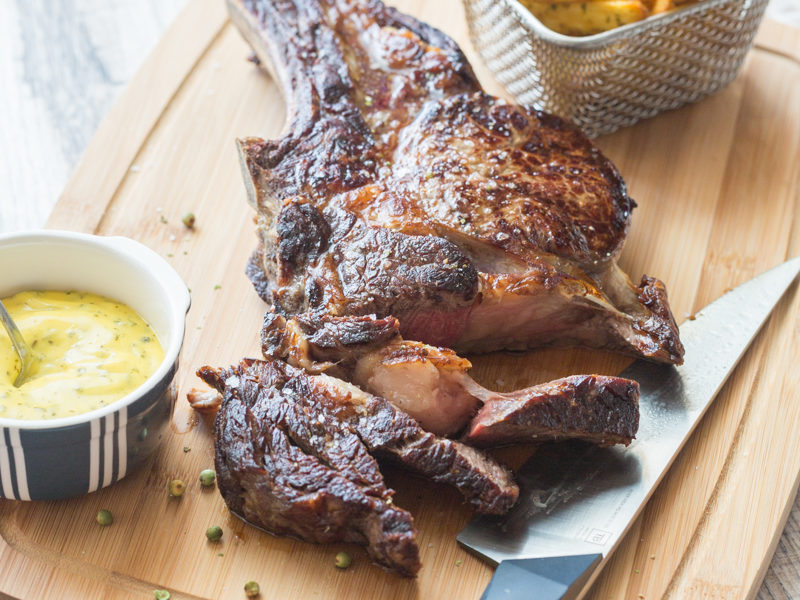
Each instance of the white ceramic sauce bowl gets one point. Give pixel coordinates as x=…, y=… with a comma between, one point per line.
x=59, y=458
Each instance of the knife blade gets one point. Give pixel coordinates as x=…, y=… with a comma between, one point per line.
x=577, y=500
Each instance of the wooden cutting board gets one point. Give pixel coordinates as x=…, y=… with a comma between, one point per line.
x=718, y=186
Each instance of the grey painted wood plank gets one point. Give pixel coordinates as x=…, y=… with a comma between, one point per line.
x=62, y=64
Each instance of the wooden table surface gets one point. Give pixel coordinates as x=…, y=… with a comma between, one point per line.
x=61, y=66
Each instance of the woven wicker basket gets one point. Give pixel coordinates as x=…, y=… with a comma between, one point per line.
x=614, y=79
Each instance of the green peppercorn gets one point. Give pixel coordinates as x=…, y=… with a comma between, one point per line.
x=214, y=533
x=161, y=594
x=207, y=477
x=343, y=560
x=251, y=589
x=104, y=517
x=176, y=488
x=188, y=220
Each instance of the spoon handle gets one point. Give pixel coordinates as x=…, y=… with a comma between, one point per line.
x=23, y=350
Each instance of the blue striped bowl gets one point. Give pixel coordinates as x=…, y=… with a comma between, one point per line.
x=59, y=458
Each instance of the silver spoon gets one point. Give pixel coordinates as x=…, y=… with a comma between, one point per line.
x=26, y=355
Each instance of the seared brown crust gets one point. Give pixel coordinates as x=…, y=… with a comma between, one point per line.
x=255, y=273
x=334, y=263
x=336, y=335
x=524, y=181
x=485, y=484
x=602, y=410
x=391, y=433
x=303, y=235
x=426, y=188
x=324, y=338
x=294, y=454
x=662, y=328
x=276, y=470
x=340, y=342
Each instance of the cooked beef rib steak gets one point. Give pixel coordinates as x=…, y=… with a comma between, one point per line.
x=594, y=408
x=432, y=385
x=271, y=413
x=300, y=473
x=401, y=188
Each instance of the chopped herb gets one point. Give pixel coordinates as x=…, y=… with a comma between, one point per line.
x=163, y=219
x=161, y=594
x=189, y=220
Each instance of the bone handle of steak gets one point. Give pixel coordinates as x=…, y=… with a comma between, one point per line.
x=290, y=36
x=277, y=51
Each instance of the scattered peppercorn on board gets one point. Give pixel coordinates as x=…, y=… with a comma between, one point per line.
x=718, y=186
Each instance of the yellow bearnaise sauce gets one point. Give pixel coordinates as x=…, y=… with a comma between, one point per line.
x=92, y=351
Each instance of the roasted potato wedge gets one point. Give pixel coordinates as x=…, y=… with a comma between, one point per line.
x=660, y=6
x=586, y=18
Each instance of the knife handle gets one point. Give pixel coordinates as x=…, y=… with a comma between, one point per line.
x=551, y=578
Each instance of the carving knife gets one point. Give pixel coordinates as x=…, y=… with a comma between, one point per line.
x=578, y=500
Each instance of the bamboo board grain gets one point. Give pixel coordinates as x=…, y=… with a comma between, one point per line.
x=718, y=186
